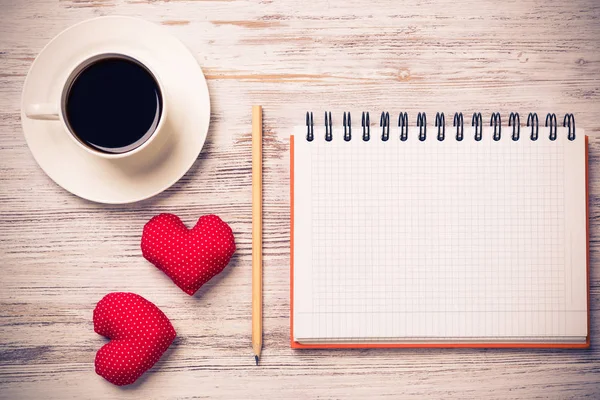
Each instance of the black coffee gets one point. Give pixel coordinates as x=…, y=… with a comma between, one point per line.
x=113, y=105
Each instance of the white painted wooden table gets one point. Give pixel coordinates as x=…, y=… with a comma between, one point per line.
x=59, y=254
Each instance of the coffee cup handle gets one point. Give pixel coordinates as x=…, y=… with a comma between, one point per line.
x=42, y=111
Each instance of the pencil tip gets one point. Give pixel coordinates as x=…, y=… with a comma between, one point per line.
x=256, y=359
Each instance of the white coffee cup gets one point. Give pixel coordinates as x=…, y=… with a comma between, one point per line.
x=56, y=111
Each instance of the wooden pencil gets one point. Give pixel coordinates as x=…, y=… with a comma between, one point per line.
x=256, y=231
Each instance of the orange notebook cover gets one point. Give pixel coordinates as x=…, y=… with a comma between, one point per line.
x=380, y=344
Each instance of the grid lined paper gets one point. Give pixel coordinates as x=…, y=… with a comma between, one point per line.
x=434, y=240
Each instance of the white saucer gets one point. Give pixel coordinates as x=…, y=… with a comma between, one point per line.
x=138, y=177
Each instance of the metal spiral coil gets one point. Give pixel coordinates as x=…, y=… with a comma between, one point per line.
x=477, y=122
x=551, y=118
x=328, y=127
x=310, y=127
x=440, y=123
x=384, y=123
x=422, y=124
x=347, y=127
x=514, y=121
x=366, y=126
x=569, y=121
x=496, y=122
x=403, y=125
x=459, y=123
x=532, y=119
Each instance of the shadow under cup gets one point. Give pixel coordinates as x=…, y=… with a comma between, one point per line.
x=112, y=104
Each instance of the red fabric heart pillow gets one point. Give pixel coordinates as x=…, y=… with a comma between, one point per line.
x=190, y=257
x=139, y=332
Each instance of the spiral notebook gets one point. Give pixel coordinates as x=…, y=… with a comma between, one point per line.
x=439, y=236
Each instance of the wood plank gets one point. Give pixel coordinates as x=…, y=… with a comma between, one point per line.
x=61, y=254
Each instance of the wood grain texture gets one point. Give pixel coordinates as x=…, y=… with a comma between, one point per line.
x=60, y=254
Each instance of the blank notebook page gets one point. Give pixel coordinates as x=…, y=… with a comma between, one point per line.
x=433, y=241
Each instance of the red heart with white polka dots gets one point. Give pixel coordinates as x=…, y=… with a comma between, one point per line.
x=190, y=257
x=140, y=333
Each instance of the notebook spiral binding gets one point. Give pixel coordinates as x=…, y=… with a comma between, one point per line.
x=384, y=123
x=533, y=118
x=552, y=119
x=514, y=121
x=366, y=126
x=440, y=123
x=403, y=125
x=496, y=122
x=459, y=123
x=477, y=122
x=422, y=124
x=347, y=127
